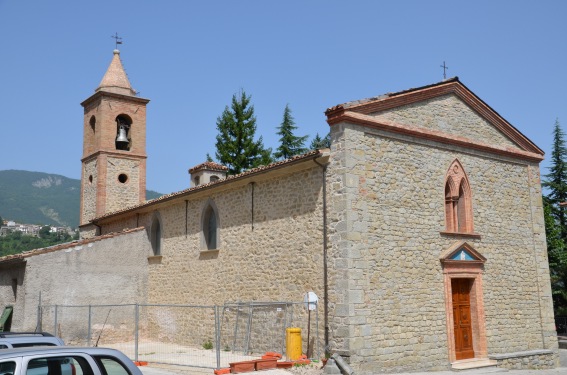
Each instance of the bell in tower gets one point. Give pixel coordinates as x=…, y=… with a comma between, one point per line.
x=122, y=140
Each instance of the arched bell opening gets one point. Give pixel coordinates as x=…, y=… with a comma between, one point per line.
x=123, y=139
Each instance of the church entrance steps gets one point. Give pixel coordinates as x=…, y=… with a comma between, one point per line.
x=470, y=365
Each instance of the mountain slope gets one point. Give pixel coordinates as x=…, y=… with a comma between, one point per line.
x=42, y=198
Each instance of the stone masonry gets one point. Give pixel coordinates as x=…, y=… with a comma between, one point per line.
x=387, y=234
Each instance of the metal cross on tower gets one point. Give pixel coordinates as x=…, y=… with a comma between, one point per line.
x=117, y=39
x=445, y=67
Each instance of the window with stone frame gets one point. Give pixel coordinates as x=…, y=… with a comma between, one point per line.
x=458, y=200
x=155, y=234
x=210, y=227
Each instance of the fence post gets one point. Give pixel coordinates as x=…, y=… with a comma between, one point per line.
x=89, y=333
x=55, y=322
x=236, y=325
x=284, y=323
x=249, y=330
x=217, y=335
x=136, y=330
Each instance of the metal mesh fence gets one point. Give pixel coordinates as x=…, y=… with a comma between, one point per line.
x=256, y=328
x=90, y=325
x=174, y=334
x=197, y=336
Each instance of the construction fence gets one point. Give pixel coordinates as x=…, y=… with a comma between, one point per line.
x=197, y=336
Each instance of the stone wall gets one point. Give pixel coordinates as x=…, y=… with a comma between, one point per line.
x=121, y=194
x=108, y=270
x=271, y=254
x=387, y=204
x=529, y=360
x=270, y=245
x=90, y=192
x=450, y=115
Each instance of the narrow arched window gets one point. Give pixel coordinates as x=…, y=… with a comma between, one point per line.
x=210, y=228
x=458, y=200
x=156, y=235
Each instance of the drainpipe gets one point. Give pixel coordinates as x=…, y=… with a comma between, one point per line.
x=186, y=216
x=325, y=273
x=253, y=184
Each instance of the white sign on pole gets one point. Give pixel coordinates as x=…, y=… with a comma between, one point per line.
x=311, y=300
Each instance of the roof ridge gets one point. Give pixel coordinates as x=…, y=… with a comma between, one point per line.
x=355, y=103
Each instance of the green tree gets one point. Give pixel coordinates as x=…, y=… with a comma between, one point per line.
x=16, y=242
x=235, y=146
x=319, y=143
x=555, y=184
x=556, y=180
x=44, y=232
x=290, y=144
x=557, y=257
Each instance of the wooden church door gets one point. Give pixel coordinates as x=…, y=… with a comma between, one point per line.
x=461, y=290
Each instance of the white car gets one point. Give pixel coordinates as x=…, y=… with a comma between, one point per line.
x=24, y=339
x=65, y=360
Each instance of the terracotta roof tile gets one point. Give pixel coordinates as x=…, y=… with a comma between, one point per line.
x=209, y=165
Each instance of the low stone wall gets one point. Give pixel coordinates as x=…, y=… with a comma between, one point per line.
x=533, y=359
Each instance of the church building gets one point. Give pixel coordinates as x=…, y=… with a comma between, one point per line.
x=421, y=230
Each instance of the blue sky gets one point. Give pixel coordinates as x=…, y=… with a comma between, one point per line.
x=190, y=57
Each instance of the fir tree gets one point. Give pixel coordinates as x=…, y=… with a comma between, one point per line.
x=235, y=144
x=290, y=144
x=555, y=219
x=319, y=143
x=557, y=257
x=556, y=180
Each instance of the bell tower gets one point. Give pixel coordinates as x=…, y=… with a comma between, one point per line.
x=113, y=175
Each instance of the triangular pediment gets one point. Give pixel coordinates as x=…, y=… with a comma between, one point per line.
x=462, y=252
x=447, y=111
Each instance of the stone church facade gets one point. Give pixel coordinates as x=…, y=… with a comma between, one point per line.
x=420, y=229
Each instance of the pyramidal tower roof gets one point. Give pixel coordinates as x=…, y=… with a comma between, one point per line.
x=115, y=79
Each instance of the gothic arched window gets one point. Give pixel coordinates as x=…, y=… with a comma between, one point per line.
x=458, y=200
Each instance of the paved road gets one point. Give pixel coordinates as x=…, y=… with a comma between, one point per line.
x=176, y=370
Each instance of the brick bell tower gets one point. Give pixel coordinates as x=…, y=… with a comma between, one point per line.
x=113, y=173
